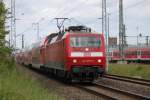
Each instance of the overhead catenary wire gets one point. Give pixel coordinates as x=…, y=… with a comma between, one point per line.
x=130, y=6
x=62, y=8
x=47, y=16
x=42, y=18
x=75, y=20
x=76, y=7
x=136, y=4
x=26, y=30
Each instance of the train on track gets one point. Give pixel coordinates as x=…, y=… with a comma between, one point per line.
x=138, y=55
x=74, y=54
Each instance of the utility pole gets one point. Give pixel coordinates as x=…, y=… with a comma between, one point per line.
x=147, y=40
x=104, y=27
x=108, y=25
x=14, y=13
x=22, y=41
x=13, y=24
x=38, y=29
x=122, y=38
x=108, y=36
x=11, y=30
x=60, y=24
x=37, y=24
x=102, y=16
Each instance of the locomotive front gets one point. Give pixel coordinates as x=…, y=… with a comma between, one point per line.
x=86, y=56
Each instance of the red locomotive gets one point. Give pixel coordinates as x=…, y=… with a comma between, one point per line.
x=76, y=54
x=132, y=55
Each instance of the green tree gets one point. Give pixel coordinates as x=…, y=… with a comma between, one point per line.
x=3, y=32
x=4, y=51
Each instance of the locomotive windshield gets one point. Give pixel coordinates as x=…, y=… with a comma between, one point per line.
x=85, y=41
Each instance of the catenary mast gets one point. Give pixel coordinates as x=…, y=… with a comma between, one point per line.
x=122, y=36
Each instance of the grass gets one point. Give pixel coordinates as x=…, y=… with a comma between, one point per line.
x=16, y=86
x=131, y=70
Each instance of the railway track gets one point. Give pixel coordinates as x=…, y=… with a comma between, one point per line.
x=129, y=79
x=107, y=92
x=93, y=90
x=111, y=93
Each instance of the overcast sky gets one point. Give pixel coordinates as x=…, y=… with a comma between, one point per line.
x=136, y=16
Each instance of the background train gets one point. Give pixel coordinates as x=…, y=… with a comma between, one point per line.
x=138, y=55
x=75, y=54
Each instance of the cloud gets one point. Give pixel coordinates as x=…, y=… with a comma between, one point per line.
x=136, y=13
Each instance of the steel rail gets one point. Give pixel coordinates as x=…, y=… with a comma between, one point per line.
x=94, y=92
x=75, y=85
x=127, y=93
x=128, y=79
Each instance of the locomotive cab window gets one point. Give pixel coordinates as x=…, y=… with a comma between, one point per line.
x=85, y=41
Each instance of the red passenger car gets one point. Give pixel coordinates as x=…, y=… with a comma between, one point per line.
x=132, y=55
x=115, y=55
x=145, y=54
x=76, y=54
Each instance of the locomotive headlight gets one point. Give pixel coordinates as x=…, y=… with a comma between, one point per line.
x=99, y=60
x=74, y=61
x=86, y=49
